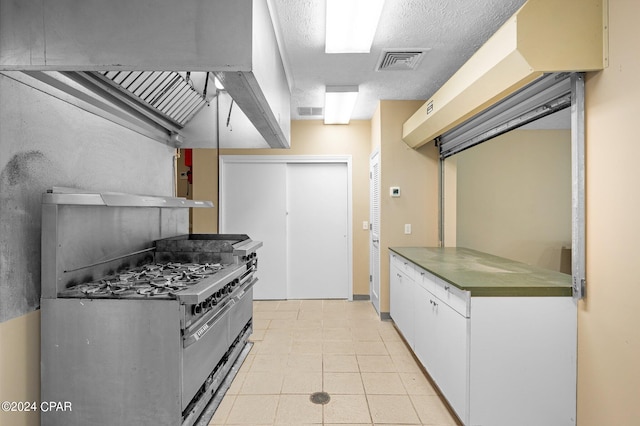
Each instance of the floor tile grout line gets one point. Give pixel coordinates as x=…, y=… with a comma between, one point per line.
x=353, y=319
x=322, y=378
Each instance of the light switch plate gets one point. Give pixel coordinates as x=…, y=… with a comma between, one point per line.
x=407, y=228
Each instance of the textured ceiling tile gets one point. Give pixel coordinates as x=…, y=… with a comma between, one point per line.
x=452, y=29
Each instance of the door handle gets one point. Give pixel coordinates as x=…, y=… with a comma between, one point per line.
x=206, y=327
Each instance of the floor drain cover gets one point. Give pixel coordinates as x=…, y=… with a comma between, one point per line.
x=320, y=398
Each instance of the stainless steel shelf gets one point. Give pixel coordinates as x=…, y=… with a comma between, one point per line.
x=72, y=196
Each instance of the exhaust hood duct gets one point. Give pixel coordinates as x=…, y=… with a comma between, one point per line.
x=544, y=36
x=235, y=40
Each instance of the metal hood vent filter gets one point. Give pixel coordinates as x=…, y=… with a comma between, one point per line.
x=169, y=93
x=400, y=60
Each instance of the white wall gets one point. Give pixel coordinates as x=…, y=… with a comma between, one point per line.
x=514, y=197
x=415, y=171
x=46, y=142
x=609, y=318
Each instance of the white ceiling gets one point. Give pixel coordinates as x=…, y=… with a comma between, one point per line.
x=451, y=30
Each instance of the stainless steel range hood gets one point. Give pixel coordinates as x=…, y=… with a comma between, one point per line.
x=235, y=40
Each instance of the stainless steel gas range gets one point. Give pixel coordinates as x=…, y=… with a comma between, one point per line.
x=141, y=322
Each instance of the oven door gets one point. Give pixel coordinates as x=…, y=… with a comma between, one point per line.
x=204, y=345
x=242, y=310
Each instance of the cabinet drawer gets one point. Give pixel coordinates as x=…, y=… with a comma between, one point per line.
x=404, y=266
x=426, y=280
x=452, y=296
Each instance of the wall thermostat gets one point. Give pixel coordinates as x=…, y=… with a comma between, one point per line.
x=394, y=191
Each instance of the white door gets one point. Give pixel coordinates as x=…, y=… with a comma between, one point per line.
x=254, y=203
x=374, y=231
x=317, y=221
x=306, y=253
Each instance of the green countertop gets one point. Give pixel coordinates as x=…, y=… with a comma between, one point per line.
x=485, y=275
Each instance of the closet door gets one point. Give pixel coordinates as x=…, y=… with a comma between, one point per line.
x=317, y=244
x=253, y=202
x=301, y=212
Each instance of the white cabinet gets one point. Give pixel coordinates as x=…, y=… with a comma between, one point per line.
x=452, y=338
x=523, y=361
x=425, y=321
x=402, y=290
x=498, y=360
x=442, y=342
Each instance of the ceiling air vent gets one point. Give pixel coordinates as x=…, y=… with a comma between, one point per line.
x=400, y=60
x=310, y=111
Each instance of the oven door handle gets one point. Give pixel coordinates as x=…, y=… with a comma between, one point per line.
x=206, y=327
x=246, y=288
x=247, y=276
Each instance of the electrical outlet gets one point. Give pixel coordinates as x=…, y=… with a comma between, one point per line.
x=365, y=225
x=407, y=228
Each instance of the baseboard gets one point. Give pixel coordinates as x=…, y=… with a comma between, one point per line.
x=361, y=297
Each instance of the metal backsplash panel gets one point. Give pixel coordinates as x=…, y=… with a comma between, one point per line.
x=82, y=243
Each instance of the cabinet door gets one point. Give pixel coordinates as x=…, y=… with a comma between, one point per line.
x=407, y=290
x=452, y=358
x=425, y=328
x=394, y=293
x=401, y=301
x=441, y=345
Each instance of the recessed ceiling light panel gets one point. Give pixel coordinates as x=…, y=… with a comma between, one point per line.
x=339, y=102
x=351, y=25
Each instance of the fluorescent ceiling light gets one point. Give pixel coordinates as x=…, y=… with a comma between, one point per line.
x=351, y=25
x=338, y=104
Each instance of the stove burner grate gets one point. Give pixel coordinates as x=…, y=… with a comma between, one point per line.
x=157, y=279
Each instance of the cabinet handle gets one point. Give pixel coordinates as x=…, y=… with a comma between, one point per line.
x=446, y=288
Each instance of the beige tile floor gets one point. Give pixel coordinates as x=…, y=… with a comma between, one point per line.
x=335, y=346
